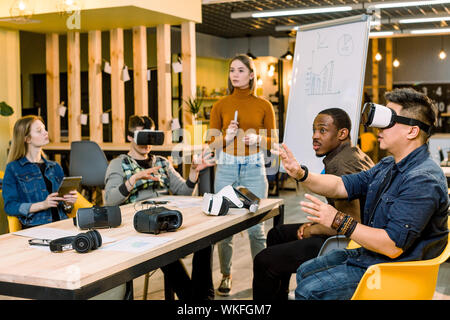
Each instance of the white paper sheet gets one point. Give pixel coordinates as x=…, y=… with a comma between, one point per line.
x=105, y=118
x=84, y=119
x=136, y=244
x=45, y=233
x=183, y=202
x=107, y=68
x=125, y=74
x=62, y=111
x=177, y=67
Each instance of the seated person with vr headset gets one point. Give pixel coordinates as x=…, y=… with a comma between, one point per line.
x=139, y=175
x=405, y=213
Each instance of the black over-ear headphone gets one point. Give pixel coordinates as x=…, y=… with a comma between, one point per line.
x=82, y=242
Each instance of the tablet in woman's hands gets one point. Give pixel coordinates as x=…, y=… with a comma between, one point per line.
x=69, y=184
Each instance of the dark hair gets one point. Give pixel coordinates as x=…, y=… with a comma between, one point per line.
x=415, y=105
x=139, y=121
x=250, y=64
x=340, y=118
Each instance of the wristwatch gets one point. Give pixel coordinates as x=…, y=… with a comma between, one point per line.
x=305, y=168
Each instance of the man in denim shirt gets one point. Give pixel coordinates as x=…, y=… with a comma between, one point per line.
x=405, y=215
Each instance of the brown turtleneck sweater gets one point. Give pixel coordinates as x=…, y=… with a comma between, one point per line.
x=255, y=115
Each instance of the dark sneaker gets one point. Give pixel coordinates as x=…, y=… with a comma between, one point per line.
x=225, y=287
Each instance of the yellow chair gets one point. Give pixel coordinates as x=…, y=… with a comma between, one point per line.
x=411, y=280
x=82, y=202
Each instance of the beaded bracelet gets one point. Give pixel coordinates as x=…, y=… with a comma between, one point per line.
x=351, y=228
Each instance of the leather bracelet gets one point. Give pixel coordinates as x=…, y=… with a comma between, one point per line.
x=338, y=219
x=305, y=168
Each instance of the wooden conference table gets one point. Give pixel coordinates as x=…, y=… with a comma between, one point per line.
x=34, y=273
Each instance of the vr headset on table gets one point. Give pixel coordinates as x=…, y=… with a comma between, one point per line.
x=157, y=219
x=378, y=116
x=229, y=197
x=98, y=217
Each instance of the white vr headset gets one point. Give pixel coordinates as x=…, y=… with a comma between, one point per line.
x=229, y=197
x=148, y=137
x=378, y=116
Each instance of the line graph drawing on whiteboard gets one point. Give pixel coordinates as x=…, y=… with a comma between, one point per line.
x=345, y=45
x=321, y=83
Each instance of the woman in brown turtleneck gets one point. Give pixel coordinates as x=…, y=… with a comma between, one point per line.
x=242, y=127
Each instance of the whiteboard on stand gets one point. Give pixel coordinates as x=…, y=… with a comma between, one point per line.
x=328, y=72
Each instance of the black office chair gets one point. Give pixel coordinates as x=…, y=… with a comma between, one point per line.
x=88, y=161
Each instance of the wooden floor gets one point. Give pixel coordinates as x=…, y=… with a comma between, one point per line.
x=242, y=271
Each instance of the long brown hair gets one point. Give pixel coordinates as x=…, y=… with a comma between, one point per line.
x=19, y=147
x=250, y=64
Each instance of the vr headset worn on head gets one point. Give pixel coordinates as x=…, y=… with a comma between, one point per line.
x=229, y=197
x=148, y=137
x=157, y=219
x=378, y=116
x=98, y=217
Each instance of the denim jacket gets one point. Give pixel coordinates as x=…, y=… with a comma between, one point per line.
x=412, y=209
x=24, y=185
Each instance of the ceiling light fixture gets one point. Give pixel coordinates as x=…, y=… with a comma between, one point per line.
x=429, y=31
x=381, y=33
x=369, y=7
x=21, y=10
x=424, y=20
x=248, y=48
x=442, y=54
x=289, y=12
x=378, y=56
x=288, y=55
x=396, y=63
x=387, y=5
x=280, y=28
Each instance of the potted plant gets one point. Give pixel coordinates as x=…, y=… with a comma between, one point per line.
x=197, y=130
x=5, y=109
x=194, y=106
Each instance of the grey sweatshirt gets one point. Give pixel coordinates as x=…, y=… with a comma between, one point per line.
x=115, y=178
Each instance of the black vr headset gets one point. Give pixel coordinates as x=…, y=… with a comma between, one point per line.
x=98, y=217
x=378, y=116
x=229, y=197
x=157, y=219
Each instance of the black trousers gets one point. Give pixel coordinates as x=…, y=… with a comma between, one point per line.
x=201, y=286
x=273, y=266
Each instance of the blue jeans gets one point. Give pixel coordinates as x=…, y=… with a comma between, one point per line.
x=250, y=172
x=328, y=277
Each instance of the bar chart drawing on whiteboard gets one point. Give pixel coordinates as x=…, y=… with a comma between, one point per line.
x=321, y=83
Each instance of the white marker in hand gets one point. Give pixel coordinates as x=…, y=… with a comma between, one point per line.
x=235, y=115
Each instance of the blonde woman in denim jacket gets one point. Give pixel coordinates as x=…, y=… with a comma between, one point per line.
x=31, y=182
